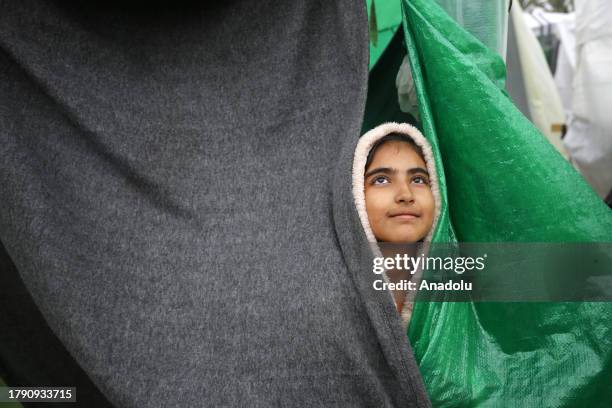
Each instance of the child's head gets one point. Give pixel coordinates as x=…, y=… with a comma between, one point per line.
x=399, y=202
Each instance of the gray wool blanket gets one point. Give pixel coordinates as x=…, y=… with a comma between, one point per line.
x=176, y=216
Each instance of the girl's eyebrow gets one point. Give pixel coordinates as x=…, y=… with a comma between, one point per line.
x=390, y=170
x=383, y=170
x=418, y=170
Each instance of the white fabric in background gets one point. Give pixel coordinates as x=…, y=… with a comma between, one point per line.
x=566, y=61
x=542, y=95
x=406, y=91
x=589, y=137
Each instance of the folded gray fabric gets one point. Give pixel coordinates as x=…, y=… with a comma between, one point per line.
x=175, y=189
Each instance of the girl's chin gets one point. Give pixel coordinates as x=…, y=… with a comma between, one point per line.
x=402, y=240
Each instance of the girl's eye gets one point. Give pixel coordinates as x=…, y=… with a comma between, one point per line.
x=380, y=180
x=420, y=180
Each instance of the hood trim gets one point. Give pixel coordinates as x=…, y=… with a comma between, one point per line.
x=361, y=156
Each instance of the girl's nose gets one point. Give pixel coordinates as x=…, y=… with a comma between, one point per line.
x=404, y=194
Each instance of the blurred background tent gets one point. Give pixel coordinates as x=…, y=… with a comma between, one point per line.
x=486, y=20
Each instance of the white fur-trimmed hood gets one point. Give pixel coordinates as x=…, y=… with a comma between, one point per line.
x=361, y=156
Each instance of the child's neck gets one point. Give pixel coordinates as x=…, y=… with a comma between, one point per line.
x=396, y=275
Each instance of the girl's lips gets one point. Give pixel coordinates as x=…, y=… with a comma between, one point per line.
x=404, y=216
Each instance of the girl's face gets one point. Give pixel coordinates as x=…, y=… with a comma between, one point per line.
x=399, y=201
